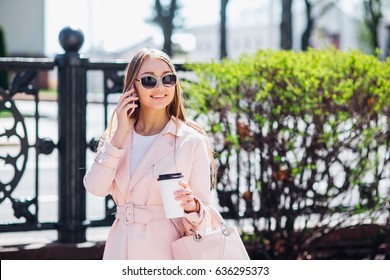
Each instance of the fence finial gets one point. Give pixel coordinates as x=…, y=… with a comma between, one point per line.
x=71, y=40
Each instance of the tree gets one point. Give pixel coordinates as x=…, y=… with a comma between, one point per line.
x=164, y=17
x=309, y=26
x=286, y=25
x=3, y=52
x=223, y=40
x=310, y=5
x=372, y=17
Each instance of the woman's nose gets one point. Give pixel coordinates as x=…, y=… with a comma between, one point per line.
x=159, y=83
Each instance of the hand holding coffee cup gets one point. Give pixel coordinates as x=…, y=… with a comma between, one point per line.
x=188, y=200
x=176, y=195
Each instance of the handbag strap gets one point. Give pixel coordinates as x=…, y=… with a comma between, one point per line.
x=216, y=217
x=217, y=221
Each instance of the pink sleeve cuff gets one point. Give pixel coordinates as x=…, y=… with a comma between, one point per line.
x=196, y=218
x=109, y=156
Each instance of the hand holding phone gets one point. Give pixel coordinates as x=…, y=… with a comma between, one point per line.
x=131, y=111
x=126, y=105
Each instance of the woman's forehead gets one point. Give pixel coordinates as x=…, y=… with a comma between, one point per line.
x=154, y=65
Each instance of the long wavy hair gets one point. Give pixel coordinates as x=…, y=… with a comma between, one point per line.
x=174, y=109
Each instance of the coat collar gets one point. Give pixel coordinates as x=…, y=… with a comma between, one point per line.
x=170, y=127
x=173, y=129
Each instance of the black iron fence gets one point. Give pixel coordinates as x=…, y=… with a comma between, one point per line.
x=72, y=143
x=24, y=81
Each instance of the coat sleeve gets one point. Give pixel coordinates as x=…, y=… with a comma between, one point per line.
x=199, y=182
x=99, y=178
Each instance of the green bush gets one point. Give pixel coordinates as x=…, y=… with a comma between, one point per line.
x=301, y=140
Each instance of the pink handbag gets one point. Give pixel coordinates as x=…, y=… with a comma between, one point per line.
x=222, y=243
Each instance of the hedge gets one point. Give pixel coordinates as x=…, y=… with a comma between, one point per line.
x=301, y=141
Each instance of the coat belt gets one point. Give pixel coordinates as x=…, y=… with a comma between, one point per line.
x=130, y=213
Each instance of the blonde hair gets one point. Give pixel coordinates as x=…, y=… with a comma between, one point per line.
x=175, y=108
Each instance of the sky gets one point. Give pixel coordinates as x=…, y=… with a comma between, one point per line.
x=118, y=24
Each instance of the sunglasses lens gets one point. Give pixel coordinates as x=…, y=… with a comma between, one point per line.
x=169, y=80
x=148, y=82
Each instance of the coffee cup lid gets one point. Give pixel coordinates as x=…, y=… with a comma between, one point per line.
x=169, y=176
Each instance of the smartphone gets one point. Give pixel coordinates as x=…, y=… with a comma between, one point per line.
x=134, y=102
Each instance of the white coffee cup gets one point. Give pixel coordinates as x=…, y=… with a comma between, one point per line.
x=169, y=183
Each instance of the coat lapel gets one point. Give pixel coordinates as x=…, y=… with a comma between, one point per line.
x=160, y=148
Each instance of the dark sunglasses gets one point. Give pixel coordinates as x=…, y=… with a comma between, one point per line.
x=150, y=82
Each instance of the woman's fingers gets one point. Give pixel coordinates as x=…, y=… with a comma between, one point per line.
x=127, y=104
x=130, y=108
x=185, y=192
x=185, y=185
x=186, y=196
x=125, y=107
x=125, y=101
x=125, y=95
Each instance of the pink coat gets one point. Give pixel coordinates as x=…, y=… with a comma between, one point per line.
x=141, y=231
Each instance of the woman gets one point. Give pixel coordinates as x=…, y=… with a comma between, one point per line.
x=152, y=137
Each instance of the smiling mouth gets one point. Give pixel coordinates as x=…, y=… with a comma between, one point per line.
x=158, y=96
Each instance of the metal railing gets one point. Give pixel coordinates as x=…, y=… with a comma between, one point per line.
x=24, y=81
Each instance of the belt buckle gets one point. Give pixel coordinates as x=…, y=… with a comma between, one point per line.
x=129, y=214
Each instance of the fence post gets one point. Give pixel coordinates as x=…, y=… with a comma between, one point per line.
x=72, y=69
